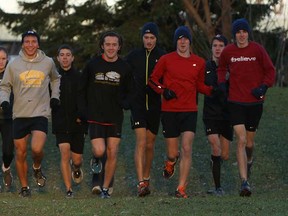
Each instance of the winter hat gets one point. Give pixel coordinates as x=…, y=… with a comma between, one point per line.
x=180, y=32
x=32, y=33
x=240, y=24
x=220, y=38
x=150, y=27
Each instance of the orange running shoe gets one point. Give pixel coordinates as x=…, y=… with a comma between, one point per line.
x=169, y=168
x=180, y=192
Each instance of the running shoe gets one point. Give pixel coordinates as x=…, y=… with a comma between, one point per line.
x=143, y=188
x=7, y=178
x=69, y=194
x=180, y=192
x=169, y=168
x=216, y=192
x=245, y=189
x=77, y=174
x=25, y=192
x=95, y=165
x=96, y=190
x=39, y=177
x=105, y=193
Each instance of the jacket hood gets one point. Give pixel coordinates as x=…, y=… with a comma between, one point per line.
x=39, y=57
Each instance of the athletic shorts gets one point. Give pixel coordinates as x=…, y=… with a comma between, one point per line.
x=175, y=123
x=150, y=121
x=248, y=115
x=76, y=141
x=104, y=131
x=24, y=126
x=222, y=127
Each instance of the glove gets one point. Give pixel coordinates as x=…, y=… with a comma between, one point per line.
x=169, y=94
x=5, y=106
x=54, y=103
x=260, y=91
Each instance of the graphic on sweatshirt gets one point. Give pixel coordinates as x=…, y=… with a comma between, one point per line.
x=32, y=78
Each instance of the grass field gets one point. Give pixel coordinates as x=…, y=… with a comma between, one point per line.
x=269, y=179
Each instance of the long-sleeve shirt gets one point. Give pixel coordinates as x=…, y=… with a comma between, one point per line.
x=30, y=80
x=184, y=76
x=104, y=88
x=249, y=68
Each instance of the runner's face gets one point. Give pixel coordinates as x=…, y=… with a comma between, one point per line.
x=217, y=48
x=183, y=45
x=30, y=46
x=149, y=41
x=111, y=47
x=65, y=58
x=3, y=60
x=242, y=37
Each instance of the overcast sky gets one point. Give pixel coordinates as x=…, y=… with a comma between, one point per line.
x=12, y=5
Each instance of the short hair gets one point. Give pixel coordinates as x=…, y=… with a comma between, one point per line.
x=111, y=34
x=221, y=38
x=65, y=46
x=4, y=50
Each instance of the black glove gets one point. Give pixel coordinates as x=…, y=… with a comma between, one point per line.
x=5, y=106
x=54, y=103
x=169, y=94
x=260, y=91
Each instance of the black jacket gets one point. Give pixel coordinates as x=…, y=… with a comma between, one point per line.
x=64, y=117
x=215, y=106
x=144, y=97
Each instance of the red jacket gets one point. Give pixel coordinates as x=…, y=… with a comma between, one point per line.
x=185, y=76
x=249, y=68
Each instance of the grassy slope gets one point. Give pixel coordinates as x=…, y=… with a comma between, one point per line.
x=269, y=179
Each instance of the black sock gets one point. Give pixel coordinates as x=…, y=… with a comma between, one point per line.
x=216, y=169
x=249, y=152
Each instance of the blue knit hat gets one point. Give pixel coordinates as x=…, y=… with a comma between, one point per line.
x=150, y=27
x=180, y=32
x=240, y=24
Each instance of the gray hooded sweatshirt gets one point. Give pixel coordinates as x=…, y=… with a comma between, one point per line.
x=29, y=80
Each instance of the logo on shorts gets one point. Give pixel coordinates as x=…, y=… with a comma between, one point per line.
x=137, y=123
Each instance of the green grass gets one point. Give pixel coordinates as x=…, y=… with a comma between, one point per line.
x=269, y=179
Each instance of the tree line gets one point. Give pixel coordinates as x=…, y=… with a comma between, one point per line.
x=80, y=25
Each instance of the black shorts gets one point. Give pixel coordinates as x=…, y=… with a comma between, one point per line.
x=222, y=127
x=174, y=123
x=104, y=131
x=248, y=115
x=76, y=141
x=24, y=126
x=150, y=120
